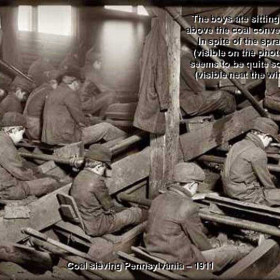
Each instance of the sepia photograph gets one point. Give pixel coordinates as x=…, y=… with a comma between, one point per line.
x=139, y=141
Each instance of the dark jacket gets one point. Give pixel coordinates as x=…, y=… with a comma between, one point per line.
x=12, y=170
x=37, y=69
x=34, y=109
x=174, y=231
x=154, y=87
x=92, y=197
x=63, y=116
x=36, y=101
x=245, y=173
x=88, y=95
x=10, y=104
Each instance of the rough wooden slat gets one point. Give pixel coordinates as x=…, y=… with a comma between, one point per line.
x=136, y=167
x=236, y=11
x=173, y=40
x=74, y=229
x=157, y=161
x=134, y=260
x=257, y=263
x=200, y=141
x=43, y=213
x=246, y=207
x=143, y=254
x=127, y=236
x=129, y=170
x=164, y=147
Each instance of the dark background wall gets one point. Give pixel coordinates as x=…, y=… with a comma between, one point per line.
x=119, y=36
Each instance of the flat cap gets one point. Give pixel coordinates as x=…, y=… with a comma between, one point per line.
x=186, y=172
x=267, y=126
x=22, y=83
x=13, y=119
x=99, y=153
x=73, y=73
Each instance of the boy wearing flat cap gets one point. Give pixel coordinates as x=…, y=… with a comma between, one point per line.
x=245, y=174
x=63, y=118
x=17, y=181
x=18, y=92
x=92, y=196
x=174, y=231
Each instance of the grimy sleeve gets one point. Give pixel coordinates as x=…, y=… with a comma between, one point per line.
x=259, y=164
x=193, y=227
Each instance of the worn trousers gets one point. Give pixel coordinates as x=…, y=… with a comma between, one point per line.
x=101, y=104
x=109, y=223
x=101, y=131
x=207, y=102
x=33, y=128
x=36, y=187
x=42, y=186
x=272, y=103
x=258, y=195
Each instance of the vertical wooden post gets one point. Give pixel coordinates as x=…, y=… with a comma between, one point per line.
x=173, y=39
x=34, y=19
x=164, y=148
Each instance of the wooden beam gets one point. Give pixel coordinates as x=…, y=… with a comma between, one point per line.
x=143, y=254
x=136, y=167
x=173, y=40
x=164, y=148
x=198, y=142
x=235, y=11
x=129, y=170
x=157, y=161
x=256, y=264
x=242, y=206
x=158, y=274
x=205, y=10
x=43, y=213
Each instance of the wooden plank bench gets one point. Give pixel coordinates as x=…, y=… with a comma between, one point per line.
x=141, y=256
x=44, y=213
x=261, y=262
x=193, y=144
x=74, y=230
x=246, y=207
x=257, y=264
